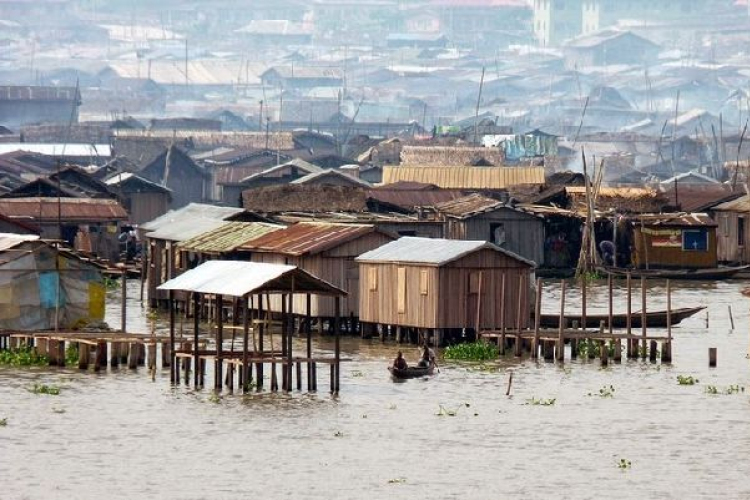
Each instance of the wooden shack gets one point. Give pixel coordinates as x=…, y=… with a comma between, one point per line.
x=177, y=171
x=732, y=235
x=439, y=284
x=477, y=217
x=163, y=234
x=676, y=241
x=324, y=249
x=144, y=200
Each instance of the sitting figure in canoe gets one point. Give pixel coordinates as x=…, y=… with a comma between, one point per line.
x=428, y=357
x=400, y=363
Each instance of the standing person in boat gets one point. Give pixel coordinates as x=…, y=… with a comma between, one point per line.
x=400, y=363
x=428, y=357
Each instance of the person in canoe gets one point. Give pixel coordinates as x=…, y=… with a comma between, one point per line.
x=428, y=357
x=400, y=363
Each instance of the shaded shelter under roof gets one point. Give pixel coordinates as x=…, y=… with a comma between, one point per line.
x=239, y=279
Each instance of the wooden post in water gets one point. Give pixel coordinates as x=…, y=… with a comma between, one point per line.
x=261, y=331
x=604, y=354
x=652, y=351
x=123, y=304
x=610, y=313
x=522, y=291
x=631, y=352
x=584, y=325
x=666, y=350
x=712, y=351
x=561, y=331
x=574, y=341
x=245, y=341
x=289, y=337
x=308, y=338
x=537, y=318
x=101, y=356
x=503, y=305
x=173, y=377
x=196, y=332
x=337, y=346
x=731, y=317
x=219, y=363
x=644, y=318
x=133, y=356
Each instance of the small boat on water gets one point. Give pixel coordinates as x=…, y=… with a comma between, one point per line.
x=412, y=371
x=654, y=319
x=714, y=273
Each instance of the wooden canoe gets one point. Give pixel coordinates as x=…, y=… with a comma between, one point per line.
x=412, y=371
x=714, y=273
x=654, y=319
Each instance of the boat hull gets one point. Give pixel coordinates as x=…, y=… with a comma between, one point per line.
x=654, y=319
x=411, y=372
x=716, y=273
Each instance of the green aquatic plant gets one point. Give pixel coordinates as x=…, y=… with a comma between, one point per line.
x=338, y=434
x=734, y=389
x=111, y=283
x=71, y=354
x=624, y=464
x=397, y=480
x=59, y=411
x=540, y=402
x=357, y=374
x=214, y=398
x=686, y=380
x=3, y=422
x=712, y=389
x=51, y=390
x=23, y=356
x=607, y=391
x=471, y=351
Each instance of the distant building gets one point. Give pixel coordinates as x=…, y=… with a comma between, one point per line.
x=30, y=105
x=287, y=77
x=609, y=47
x=557, y=20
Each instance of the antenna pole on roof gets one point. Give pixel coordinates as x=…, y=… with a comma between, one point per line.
x=739, y=148
x=479, y=100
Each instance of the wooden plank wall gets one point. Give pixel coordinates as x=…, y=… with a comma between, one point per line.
x=674, y=257
x=727, y=239
x=452, y=292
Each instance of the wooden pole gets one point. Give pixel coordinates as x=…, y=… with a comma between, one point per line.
x=261, y=328
x=478, y=322
x=172, y=376
x=643, y=316
x=731, y=318
x=308, y=335
x=667, y=349
x=583, y=303
x=712, y=357
x=290, y=334
x=537, y=318
x=522, y=291
x=337, y=351
x=245, y=342
x=284, y=342
x=219, y=366
x=610, y=315
x=561, y=332
x=123, y=304
x=503, y=306
x=629, y=319
x=196, y=332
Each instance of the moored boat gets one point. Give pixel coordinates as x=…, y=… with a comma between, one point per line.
x=713, y=273
x=412, y=371
x=654, y=319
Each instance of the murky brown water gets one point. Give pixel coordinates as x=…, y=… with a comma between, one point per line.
x=123, y=436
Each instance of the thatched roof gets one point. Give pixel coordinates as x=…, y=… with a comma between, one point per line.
x=305, y=198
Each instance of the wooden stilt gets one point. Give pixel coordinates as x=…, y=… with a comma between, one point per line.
x=173, y=376
x=537, y=318
x=219, y=363
x=632, y=352
x=561, y=332
x=523, y=289
x=245, y=341
x=643, y=317
x=196, y=332
x=101, y=356
x=337, y=347
x=83, y=356
x=503, y=306
x=666, y=353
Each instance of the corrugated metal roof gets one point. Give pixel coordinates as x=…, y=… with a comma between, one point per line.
x=430, y=251
x=185, y=229
x=308, y=238
x=330, y=172
x=68, y=209
x=469, y=205
x=190, y=212
x=466, y=177
x=124, y=177
x=675, y=220
x=64, y=150
x=12, y=240
x=228, y=237
x=741, y=204
x=239, y=278
x=272, y=171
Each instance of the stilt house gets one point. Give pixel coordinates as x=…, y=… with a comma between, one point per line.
x=443, y=284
